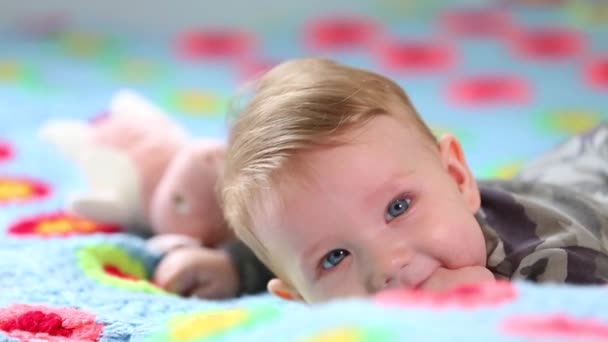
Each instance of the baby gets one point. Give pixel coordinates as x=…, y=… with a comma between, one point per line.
x=337, y=185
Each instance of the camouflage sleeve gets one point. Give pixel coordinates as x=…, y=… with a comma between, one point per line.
x=253, y=275
x=544, y=232
x=574, y=265
x=581, y=161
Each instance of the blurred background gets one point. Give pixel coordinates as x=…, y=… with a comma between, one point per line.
x=510, y=78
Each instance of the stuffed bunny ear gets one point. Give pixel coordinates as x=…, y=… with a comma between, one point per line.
x=131, y=106
x=113, y=178
x=111, y=170
x=69, y=137
x=129, y=103
x=100, y=206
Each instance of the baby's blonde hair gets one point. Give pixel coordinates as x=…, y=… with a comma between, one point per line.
x=299, y=105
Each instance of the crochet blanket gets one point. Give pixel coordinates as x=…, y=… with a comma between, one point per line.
x=510, y=81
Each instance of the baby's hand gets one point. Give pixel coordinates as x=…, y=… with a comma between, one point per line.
x=444, y=278
x=198, y=271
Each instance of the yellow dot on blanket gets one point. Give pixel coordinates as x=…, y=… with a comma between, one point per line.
x=508, y=170
x=15, y=190
x=214, y=324
x=352, y=334
x=463, y=136
x=83, y=44
x=198, y=103
x=59, y=224
x=575, y=122
x=570, y=122
x=62, y=226
x=502, y=171
x=439, y=131
x=208, y=324
x=21, y=189
x=10, y=71
x=589, y=13
x=18, y=73
x=341, y=334
x=137, y=70
x=397, y=10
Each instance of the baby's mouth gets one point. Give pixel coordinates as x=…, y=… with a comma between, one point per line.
x=419, y=272
x=424, y=281
x=421, y=283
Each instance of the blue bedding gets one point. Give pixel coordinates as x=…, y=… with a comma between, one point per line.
x=507, y=96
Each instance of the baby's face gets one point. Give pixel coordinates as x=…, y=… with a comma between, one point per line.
x=387, y=210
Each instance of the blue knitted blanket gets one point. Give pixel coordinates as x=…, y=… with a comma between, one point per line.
x=507, y=91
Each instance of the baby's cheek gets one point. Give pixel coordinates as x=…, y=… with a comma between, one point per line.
x=471, y=244
x=342, y=286
x=459, y=244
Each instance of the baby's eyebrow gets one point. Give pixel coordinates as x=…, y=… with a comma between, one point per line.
x=387, y=187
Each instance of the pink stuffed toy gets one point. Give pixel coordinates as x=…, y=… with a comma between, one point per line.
x=145, y=173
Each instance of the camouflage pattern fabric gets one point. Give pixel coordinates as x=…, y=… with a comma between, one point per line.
x=550, y=223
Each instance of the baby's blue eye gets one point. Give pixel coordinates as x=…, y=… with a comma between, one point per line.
x=333, y=258
x=397, y=208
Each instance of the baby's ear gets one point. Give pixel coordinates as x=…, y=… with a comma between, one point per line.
x=283, y=290
x=452, y=158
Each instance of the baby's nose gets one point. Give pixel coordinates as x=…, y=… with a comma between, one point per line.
x=390, y=274
x=396, y=280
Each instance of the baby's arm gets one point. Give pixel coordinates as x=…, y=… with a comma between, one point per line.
x=569, y=264
x=230, y=271
x=581, y=161
x=253, y=275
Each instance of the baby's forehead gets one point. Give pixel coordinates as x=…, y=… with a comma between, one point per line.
x=285, y=197
x=358, y=162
